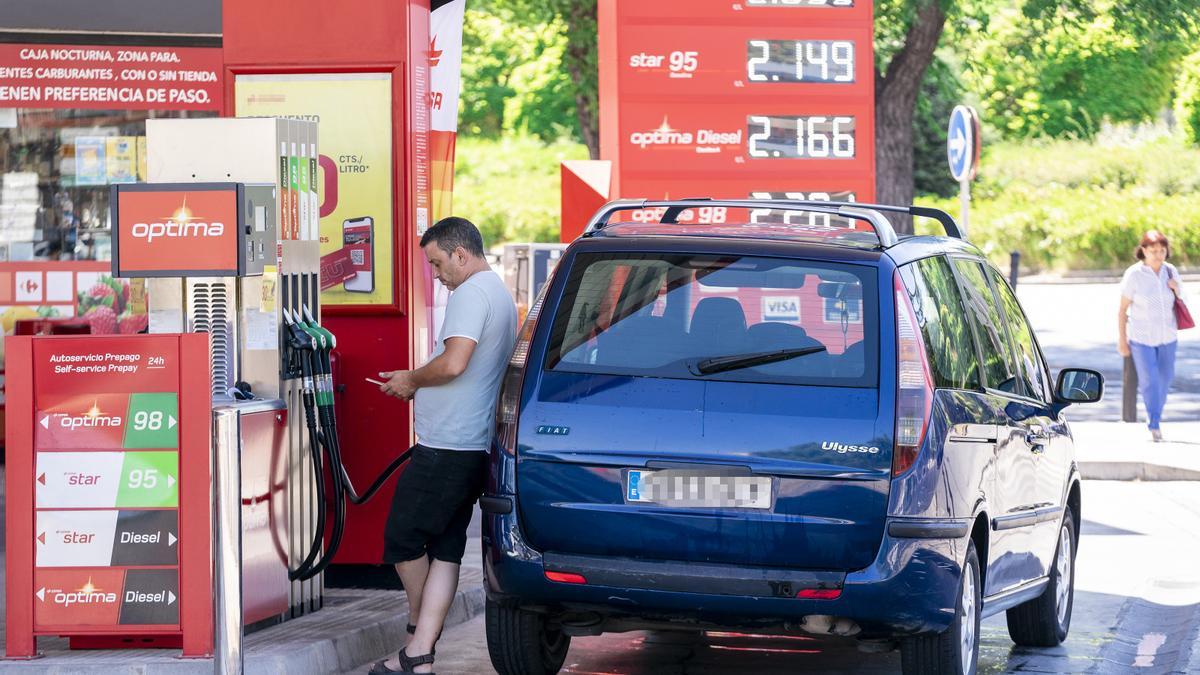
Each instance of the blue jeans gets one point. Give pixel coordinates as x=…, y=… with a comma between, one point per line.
x=1155, y=370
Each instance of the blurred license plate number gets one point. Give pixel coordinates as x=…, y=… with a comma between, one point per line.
x=676, y=488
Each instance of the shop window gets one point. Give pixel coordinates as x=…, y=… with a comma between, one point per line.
x=56, y=167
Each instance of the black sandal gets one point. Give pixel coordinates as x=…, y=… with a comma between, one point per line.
x=407, y=663
x=412, y=630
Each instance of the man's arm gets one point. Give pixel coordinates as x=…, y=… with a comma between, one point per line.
x=441, y=369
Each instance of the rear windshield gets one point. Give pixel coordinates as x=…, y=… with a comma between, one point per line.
x=671, y=315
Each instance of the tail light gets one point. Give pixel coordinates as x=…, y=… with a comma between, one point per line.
x=914, y=390
x=819, y=594
x=508, y=407
x=565, y=577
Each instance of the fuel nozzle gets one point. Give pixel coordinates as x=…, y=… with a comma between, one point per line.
x=301, y=345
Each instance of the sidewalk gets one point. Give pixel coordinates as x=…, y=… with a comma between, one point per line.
x=356, y=626
x=1120, y=451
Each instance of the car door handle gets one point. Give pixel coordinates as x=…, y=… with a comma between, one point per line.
x=1036, y=439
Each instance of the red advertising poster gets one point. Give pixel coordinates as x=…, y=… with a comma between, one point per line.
x=110, y=77
x=174, y=230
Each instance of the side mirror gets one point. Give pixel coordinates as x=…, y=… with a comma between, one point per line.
x=1079, y=385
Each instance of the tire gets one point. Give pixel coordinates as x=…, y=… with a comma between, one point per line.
x=520, y=643
x=944, y=653
x=1045, y=620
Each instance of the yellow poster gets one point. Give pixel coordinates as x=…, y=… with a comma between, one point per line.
x=353, y=175
x=121, y=159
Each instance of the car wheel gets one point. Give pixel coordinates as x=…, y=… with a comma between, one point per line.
x=1045, y=620
x=954, y=651
x=521, y=643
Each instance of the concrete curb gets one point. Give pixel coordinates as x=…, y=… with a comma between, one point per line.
x=315, y=645
x=1139, y=471
x=351, y=648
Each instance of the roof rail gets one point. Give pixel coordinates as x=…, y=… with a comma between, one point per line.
x=870, y=213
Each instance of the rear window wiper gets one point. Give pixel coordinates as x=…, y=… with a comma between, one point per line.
x=721, y=364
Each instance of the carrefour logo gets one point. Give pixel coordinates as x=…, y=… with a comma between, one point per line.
x=182, y=224
x=705, y=140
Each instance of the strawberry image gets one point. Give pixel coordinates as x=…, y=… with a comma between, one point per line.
x=103, y=320
x=102, y=294
x=128, y=324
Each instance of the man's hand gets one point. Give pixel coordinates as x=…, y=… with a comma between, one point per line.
x=1123, y=348
x=399, y=384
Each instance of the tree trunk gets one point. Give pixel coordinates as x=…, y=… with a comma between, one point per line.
x=579, y=60
x=895, y=99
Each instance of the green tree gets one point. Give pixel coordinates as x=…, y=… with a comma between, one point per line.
x=1187, y=98
x=1046, y=76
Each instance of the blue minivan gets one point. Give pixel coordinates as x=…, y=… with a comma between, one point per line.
x=779, y=416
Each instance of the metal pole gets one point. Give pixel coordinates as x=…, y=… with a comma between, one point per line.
x=964, y=197
x=227, y=541
x=1129, y=393
x=1014, y=262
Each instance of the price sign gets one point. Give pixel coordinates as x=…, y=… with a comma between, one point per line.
x=724, y=99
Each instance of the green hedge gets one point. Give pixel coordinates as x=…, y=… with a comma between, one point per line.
x=1078, y=205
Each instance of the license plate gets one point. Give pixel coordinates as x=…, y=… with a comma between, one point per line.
x=699, y=490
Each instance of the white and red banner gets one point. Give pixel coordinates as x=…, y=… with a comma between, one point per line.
x=445, y=70
x=110, y=77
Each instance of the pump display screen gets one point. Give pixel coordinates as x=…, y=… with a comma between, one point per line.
x=722, y=100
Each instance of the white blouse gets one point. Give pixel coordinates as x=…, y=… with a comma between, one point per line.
x=1151, y=319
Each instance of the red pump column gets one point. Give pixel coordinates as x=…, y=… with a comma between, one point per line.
x=361, y=70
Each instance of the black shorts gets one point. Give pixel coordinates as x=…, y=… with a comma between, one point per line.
x=431, y=509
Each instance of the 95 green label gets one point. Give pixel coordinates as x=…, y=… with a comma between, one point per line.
x=149, y=479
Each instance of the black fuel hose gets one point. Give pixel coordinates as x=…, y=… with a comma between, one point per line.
x=319, y=478
x=316, y=363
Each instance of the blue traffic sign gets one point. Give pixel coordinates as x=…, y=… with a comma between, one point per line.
x=961, y=143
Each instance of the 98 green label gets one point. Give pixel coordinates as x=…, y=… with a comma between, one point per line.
x=153, y=421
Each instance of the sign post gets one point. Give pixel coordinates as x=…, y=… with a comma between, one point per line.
x=962, y=151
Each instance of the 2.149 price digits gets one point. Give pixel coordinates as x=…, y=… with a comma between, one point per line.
x=800, y=61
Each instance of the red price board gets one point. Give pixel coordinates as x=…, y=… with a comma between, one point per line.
x=108, y=510
x=723, y=99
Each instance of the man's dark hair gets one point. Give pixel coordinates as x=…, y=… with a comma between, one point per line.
x=452, y=232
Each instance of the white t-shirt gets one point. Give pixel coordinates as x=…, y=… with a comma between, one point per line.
x=459, y=415
x=1151, y=319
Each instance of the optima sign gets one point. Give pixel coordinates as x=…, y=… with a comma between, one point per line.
x=177, y=229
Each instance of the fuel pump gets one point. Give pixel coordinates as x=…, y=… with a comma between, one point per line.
x=256, y=293
x=312, y=344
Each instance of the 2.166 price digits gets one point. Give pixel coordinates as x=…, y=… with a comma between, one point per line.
x=800, y=137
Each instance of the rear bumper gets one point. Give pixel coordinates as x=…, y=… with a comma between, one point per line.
x=911, y=586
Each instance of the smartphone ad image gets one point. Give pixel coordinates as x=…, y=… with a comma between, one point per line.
x=357, y=235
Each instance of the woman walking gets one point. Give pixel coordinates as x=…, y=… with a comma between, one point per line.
x=1146, y=323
